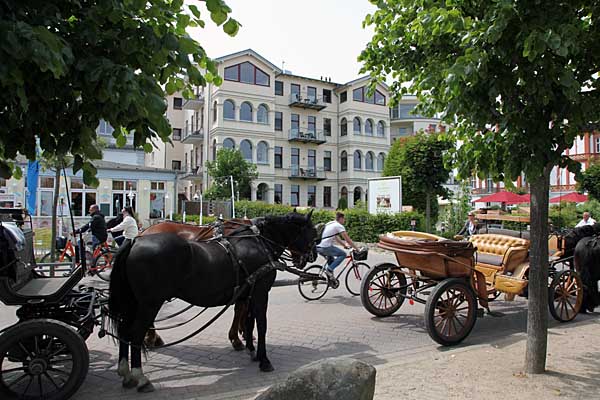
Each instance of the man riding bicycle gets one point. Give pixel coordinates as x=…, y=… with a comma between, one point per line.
x=333, y=230
x=97, y=225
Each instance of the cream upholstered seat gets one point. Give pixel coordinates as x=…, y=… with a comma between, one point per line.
x=498, y=253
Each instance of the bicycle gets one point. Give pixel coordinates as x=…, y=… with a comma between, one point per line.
x=98, y=262
x=314, y=288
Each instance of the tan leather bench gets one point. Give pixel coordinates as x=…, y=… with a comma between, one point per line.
x=498, y=253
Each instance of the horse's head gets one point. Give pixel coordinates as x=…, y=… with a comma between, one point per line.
x=295, y=232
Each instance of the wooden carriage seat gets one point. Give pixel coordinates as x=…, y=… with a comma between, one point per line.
x=498, y=253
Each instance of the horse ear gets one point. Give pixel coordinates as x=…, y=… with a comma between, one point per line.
x=309, y=214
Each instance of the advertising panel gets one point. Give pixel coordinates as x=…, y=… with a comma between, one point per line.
x=385, y=195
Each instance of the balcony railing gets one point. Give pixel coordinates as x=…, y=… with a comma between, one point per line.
x=195, y=102
x=306, y=101
x=191, y=173
x=190, y=137
x=306, y=136
x=304, y=172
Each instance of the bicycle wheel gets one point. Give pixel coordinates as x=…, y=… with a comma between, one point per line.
x=354, y=277
x=102, y=266
x=45, y=271
x=313, y=288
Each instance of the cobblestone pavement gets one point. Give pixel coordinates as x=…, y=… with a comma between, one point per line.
x=299, y=332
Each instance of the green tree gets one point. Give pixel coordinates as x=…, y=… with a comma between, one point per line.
x=508, y=76
x=419, y=160
x=230, y=162
x=590, y=181
x=68, y=64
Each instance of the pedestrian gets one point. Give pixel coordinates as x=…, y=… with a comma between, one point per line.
x=470, y=227
x=587, y=220
x=129, y=226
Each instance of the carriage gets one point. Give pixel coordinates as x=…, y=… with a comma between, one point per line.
x=453, y=278
x=44, y=354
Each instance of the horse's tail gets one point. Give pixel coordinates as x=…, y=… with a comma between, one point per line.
x=122, y=305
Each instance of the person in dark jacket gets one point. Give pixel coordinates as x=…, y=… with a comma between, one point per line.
x=97, y=225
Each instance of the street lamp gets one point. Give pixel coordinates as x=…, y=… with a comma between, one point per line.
x=166, y=203
x=131, y=196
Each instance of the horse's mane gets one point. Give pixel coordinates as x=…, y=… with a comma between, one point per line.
x=290, y=218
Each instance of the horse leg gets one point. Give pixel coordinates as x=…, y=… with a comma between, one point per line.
x=259, y=304
x=237, y=325
x=144, y=319
x=249, y=330
x=123, y=369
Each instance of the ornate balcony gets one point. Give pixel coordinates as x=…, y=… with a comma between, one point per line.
x=306, y=102
x=191, y=174
x=306, y=136
x=306, y=173
x=193, y=137
x=195, y=103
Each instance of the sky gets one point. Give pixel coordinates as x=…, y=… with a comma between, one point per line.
x=313, y=37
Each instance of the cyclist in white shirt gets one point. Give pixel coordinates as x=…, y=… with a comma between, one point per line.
x=333, y=230
x=129, y=225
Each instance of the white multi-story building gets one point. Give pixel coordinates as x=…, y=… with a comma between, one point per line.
x=312, y=140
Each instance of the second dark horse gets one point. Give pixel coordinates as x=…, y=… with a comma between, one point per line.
x=156, y=268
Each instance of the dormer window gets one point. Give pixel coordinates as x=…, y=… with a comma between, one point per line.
x=247, y=73
x=361, y=94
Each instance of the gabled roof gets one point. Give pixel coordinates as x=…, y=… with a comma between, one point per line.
x=364, y=78
x=249, y=52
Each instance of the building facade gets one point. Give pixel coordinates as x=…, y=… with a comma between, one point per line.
x=313, y=141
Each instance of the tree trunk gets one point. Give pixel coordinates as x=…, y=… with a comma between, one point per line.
x=537, y=315
x=428, y=213
x=54, y=206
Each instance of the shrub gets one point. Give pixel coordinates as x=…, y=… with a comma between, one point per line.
x=342, y=203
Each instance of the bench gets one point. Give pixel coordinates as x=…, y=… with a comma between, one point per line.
x=498, y=254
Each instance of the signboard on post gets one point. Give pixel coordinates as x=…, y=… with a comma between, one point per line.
x=385, y=195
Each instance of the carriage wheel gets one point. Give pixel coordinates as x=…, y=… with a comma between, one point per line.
x=450, y=312
x=41, y=359
x=313, y=289
x=383, y=290
x=565, y=295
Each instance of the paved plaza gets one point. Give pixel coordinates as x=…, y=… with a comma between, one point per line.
x=299, y=333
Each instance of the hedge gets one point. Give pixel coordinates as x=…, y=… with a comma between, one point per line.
x=361, y=226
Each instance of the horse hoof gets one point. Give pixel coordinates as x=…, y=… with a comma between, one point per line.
x=266, y=367
x=237, y=345
x=130, y=383
x=252, y=355
x=146, y=388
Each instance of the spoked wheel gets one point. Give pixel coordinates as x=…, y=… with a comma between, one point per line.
x=450, y=312
x=383, y=290
x=103, y=265
x=313, y=288
x=565, y=295
x=354, y=277
x=41, y=359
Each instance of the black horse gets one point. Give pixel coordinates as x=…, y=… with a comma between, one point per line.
x=156, y=268
x=587, y=263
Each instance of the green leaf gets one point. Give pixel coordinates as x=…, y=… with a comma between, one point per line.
x=218, y=17
x=148, y=148
x=231, y=27
x=121, y=141
x=194, y=10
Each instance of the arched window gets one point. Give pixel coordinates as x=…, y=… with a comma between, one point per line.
x=380, y=129
x=356, y=124
x=357, y=160
x=344, y=193
x=369, y=127
x=344, y=161
x=262, y=114
x=246, y=150
x=262, y=153
x=262, y=192
x=357, y=194
x=228, y=109
x=215, y=112
x=228, y=144
x=214, y=150
x=246, y=112
x=380, y=161
x=343, y=127
x=369, y=161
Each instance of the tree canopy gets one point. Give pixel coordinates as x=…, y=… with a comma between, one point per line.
x=68, y=64
x=590, y=181
x=419, y=160
x=230, y=162
x=517, y=81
